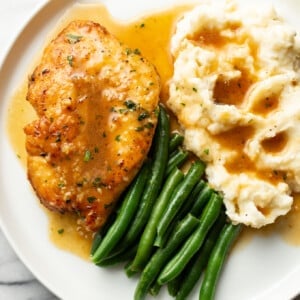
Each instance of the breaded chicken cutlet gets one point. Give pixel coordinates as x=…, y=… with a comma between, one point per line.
x=96, y=101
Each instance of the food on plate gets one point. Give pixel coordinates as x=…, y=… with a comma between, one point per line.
x=192, y=217
x=235, y=91
x=143, y=200
x=96, y=101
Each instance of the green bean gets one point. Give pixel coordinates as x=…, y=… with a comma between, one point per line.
x=154, y=289
x=201, y=200
x=217, y=259
x=96, y=241
x=102, y=232
x=176, y=140
x=189, y=203
x=148, y=236
x=173, y=286
x=126, y=213
x=162, y=255
x=174, y=153
x=179, y=195
x=154, y=183
x=197, y=264
x=177, y=160
x=112, y=260
x=194, y=242
x=161, y=240
x=129, y=272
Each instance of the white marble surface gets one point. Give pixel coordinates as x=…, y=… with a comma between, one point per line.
x=16, y=281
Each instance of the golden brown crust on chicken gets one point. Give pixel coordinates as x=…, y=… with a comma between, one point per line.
x=96, y=102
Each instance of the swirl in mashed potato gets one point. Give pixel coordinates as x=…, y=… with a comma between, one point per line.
x=236, y=93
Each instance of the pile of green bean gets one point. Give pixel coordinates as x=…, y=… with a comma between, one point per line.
x=170, y=225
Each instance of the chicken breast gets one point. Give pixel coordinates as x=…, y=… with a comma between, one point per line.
x=96, y=102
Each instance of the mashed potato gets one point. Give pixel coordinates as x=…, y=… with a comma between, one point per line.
x=236, y=93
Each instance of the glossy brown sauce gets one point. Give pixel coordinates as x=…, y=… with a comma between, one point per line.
x=20, y=112
x=236, y=140
x=227, y=91
x=64, y=233
x=275, y=144
x=151, y=35
x=241, y=163
x=266, y=105
x=232, y=91
x=212, y=38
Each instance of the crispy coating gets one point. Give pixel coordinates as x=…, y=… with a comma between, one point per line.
x=96, y=102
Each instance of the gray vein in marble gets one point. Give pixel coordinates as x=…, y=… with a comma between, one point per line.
x=21, y=282
x=16, y=281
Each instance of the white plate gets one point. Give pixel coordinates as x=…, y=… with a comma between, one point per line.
x=267, y=268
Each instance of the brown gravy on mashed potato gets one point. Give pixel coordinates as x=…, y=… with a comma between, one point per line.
x=154, y=32
x=235, y=92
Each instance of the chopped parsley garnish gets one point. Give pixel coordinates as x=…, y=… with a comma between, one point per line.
x=108, y=205
x=128, y=51
x=91, y=199
x=58, y=137
x=87, y=156
x=73, y=38
x=149, y=125
x=79, y=184
x=70, y=60
x=78, y=213
x=143, y=115
x=60, y=231
x=206, y=151
x=194, y=89
x=140, y=128
x=142, y=25
x=97, y=182
x=130, y=105
x=123, y=110
x=61, y=185
x=118, y=138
